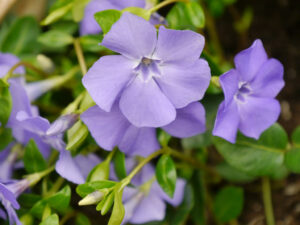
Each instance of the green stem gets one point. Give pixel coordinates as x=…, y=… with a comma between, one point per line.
x=56, y=186
x=72, y=107
x=80, y=56
x=26, y=64
x=267, y=199
x=163, y=4
x=144, y=162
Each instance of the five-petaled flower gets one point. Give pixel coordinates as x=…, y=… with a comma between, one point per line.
x=153, y=76
x=250, y=90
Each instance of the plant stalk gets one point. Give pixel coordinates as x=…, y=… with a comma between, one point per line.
x=267, y=199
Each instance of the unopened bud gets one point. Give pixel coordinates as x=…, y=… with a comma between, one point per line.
x=93, y=198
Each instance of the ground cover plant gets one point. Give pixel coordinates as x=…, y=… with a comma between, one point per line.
x=131, y=112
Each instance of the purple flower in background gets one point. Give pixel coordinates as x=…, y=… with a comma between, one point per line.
x=111, y=129
x=250, y=90
x=7, y=61
x=147, y=196
x=7, y=162
x=9, y=192
x=153, y=76
x=89, y=25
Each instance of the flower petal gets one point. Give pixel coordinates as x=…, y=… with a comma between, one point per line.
x=257, y=114
x=9, y=196
x=88, y=24
x=227, y=121
x=139, y=141
x=106, y=79
x=180, y=46
x=129, y=3
x=144, y=105
x=68, y=169
x=131, y=36
x=86, y=163
x=153, y=205
x=182, y=84
x=7, y=61
x=106, y=128
x=269, y=80
x=229, y=82
x=189, y=121
x=249, y=61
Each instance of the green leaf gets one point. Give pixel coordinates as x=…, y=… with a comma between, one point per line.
x=166, y=174
x=107, y=204
x=22, y=36
x=199, y=210
x=146, y=14
x=228, y=203
x=55, y=39
x=5, y=105
x=256, y=157
x=99, y=172
x=195, y=14
x=177, y=18
x=81, y=219
x=184, y=208
x=51, y=220
x=59, y=201
x=78, y=9
x=119, y=164
x=107, y=18
x=90, y=43
x=292, y=160
x=118, y=212
x=76, y=135
x=87, y=188
x=5, y=137
x=296, y=137
x=28, y=200
x=33, y=159
x=57, y=14
x=232, y=174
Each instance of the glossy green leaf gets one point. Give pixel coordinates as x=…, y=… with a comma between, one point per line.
x=292, y=160
x=232, y=174
x=107, y=18
x=51, y=220
x=166, y=174
x=90, y=43
x=118, y=211
x=82, y=219
x=78, y=9
x=57, y=14
x=177, y=18
x=195, y=14
x=33, y=159
x=99, y=172
x=87, y=188
x=119, y=164
x=296, y=137
x=256, y=157
x=22, y=37
x=5, y=137
x=139, y=12
x=60, y=201
x=228, y=203
x=55, y=39
x=5, y=105
x=76, y=135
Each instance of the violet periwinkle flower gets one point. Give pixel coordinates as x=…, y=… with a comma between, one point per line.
x=250, y=90
x=9, y=192
x=146, y=201
x=153, y=76
x=7, y=61
x=89, y=25
x=111, y=129
x=7, y=162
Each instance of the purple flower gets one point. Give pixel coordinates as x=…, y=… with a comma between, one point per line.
x=89, y=25
x=250, y=90
x=147, y=196
x=153, y=76
x=9, y=193
x=7, y=162
x=6, y=62
x=111, y=129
